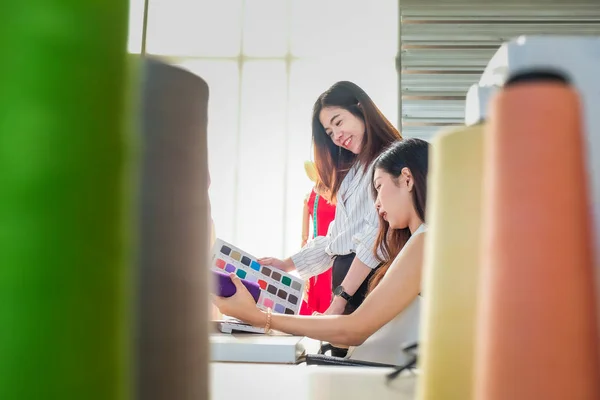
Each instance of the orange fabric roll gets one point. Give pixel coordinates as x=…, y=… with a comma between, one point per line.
x=537, y=335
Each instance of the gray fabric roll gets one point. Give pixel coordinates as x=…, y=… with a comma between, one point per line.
x=172, y=352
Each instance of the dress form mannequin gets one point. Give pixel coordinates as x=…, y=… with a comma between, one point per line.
x=317, y=214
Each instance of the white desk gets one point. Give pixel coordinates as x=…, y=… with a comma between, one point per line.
x=231, y=381
x=260, y=367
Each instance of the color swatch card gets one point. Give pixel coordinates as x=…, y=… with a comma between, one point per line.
x=280, y=291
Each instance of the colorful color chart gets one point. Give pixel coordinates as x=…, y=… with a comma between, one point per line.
x=280, y=291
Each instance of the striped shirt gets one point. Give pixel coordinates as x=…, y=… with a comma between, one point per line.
x=354, y=229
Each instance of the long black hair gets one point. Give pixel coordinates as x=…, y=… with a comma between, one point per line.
x=412, y=154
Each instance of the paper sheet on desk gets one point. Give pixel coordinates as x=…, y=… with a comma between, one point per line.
x=329, y=383
x=285, y=349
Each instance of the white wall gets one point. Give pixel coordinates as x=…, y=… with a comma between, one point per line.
x=266, y=61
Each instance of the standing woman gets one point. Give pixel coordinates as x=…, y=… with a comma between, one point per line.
x=349, y=132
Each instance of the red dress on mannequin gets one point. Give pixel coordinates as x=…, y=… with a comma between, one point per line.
x=319, y=287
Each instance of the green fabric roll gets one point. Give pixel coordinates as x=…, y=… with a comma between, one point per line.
x=64, y=273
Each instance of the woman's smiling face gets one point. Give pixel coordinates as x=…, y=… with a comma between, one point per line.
x=344, y=128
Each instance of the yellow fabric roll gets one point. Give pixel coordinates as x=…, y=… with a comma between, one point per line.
x=452, y=264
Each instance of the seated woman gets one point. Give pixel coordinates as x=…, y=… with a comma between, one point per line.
x=389, y=315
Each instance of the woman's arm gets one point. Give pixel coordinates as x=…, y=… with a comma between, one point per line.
x=365, y=225
x=397, y=290
x=356, y=275
x=365, y=260
x=312, y=260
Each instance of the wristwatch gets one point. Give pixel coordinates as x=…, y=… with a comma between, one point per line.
x=339, y=291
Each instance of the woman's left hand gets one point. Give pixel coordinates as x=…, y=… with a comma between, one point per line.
x=241, y=305
x=336, y=307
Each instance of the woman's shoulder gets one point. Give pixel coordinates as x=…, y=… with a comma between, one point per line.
x=415, y=243
x=310, y=197
x=411, y=254
x=414, y=246
x=416, y=240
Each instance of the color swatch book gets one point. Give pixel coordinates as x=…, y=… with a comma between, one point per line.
x=280, y=291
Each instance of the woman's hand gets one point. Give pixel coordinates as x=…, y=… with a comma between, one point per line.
x=286, y=265
x=337, y=307
x=241, y=305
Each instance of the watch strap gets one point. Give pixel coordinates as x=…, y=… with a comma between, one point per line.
x=345, y=296
x=339, y=291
